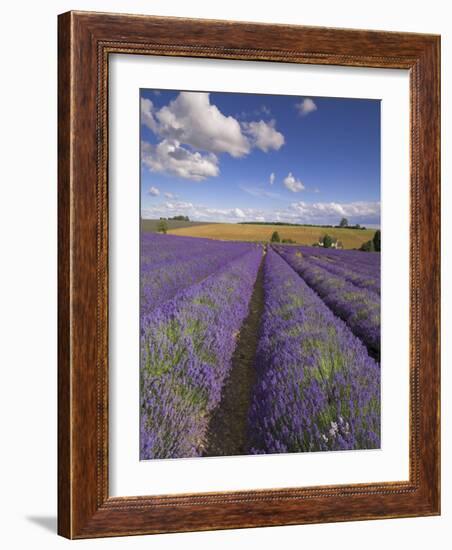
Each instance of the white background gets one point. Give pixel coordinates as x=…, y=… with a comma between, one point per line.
x=28, y=271
x=128, y=475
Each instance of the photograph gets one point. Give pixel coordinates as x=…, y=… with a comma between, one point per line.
x=248, y=272
x=260, y=246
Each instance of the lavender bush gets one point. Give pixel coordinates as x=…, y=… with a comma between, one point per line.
x=317, y=387
x=367, y=264
x=170, y=264
x=159, y=250
x=346, y=271
x=358, y=307
x=186, y=349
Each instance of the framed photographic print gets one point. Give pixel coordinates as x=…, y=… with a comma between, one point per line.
x=248, y=275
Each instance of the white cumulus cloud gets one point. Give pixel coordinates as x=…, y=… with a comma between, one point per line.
x=154, y=192
x=147, y=114
x=361, y=212
x=332, y=212
x=293, y=184
x=201, y=212
x=170, y=157
x=263, y=135
x=194, y=126
x=180, y=205
x=191, y=119
x=306, y=106
x=272, y=178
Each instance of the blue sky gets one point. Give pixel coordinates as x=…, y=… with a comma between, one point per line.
x=247, y=157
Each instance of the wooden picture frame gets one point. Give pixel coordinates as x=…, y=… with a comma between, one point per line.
x=85, y=42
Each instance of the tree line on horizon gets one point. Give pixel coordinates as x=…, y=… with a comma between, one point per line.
x=343, y=224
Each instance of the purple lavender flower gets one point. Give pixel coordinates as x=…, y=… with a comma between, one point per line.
x=358, y=307
x=186, y=348
x=317, y=387
x=169, y=264
x=367, y=264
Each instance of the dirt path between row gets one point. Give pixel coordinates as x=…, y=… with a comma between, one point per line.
x=227, y=431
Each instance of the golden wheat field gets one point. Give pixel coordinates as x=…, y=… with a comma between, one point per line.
x=350, y=238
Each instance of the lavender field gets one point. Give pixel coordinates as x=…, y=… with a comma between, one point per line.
x=250, y=348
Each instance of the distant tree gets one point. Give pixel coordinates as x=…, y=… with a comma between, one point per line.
x=181, y=218
x=275, y=237
x=327, y=241
x=162, y=226
x=288, y=241
x=368, y=246
x=377, y=240
x=343, y=223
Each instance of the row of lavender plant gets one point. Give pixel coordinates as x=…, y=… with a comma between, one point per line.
x=159, y=249
x=186, y=348
x=161, y=280
x=349, y=272
x=366, y=263
x=358, y=307
x=317, y=387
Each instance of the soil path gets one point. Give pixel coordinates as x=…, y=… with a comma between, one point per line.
x=227, y=431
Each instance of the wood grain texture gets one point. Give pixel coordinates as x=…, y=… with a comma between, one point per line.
x=64, y=294
x=85, y=42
